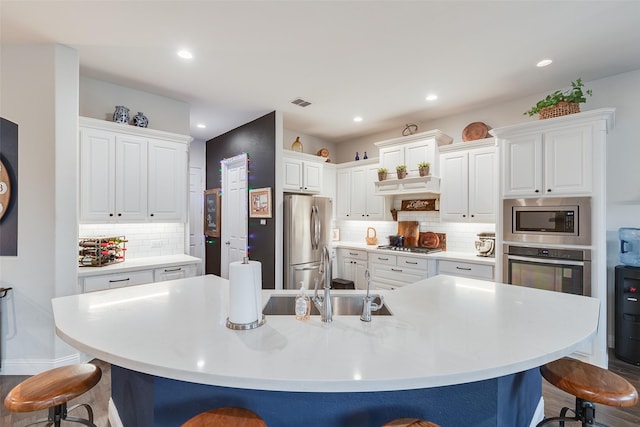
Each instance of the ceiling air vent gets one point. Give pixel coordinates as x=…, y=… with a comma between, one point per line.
x=301, y=102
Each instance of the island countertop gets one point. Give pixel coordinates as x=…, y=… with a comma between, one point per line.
x=444, y=330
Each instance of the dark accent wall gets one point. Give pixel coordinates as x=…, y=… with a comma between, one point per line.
x=258, y=140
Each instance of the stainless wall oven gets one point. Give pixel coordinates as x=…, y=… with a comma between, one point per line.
x=553, y=269
x=553, y=220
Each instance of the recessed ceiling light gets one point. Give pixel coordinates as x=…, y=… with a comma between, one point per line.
x=185, y=54
x=432, y=97
x=357, y=119
x=201, y=126
x=544, y=63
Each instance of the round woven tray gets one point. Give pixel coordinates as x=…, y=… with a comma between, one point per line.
x=560, y=109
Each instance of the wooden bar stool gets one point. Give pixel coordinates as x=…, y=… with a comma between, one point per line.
x=226, y=417
x=409, y=422
x=589, y=384
x=52, y=390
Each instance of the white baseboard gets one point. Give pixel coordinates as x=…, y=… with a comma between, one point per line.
x=539, y=414
x=114, y=417
x=36, y=366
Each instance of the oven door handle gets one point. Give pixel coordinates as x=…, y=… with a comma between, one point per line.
x=546, y=260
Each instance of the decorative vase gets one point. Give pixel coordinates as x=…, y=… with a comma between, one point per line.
x=401, y=174
x=382, y=176
x=140, y=120
x=424, y=171
x=121, y=115
x=297, y=145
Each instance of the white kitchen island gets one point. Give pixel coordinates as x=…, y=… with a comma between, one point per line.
x=456, y=351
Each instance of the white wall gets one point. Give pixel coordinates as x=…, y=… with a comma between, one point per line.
x=39, y=92
x=98, y=100
x=310, y=144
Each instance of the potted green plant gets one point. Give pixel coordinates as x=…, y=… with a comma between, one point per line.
x=423, y=168
x=401, y=170
x=561, y=103
x=382, y=174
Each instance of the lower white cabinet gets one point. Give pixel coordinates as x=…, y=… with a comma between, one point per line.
x=466, y=269
x=116, y=280
x=175, y=272
x=390, y=271
x=352, y=264
x=135, y=277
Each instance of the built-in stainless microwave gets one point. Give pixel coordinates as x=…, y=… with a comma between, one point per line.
x=553, y=220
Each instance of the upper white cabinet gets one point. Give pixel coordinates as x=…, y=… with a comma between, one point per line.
x=356, y=193
x=131, y=174
x=549, y=162
x=469, y=183
x=303, y=173
x=167, y=180
x=411, y=150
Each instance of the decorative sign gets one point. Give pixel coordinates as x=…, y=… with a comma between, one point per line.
x=419, y=205
x=8, y=188
x=212, y=212
x=260, y=203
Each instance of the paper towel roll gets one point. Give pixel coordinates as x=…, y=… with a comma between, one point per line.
x=245, y=296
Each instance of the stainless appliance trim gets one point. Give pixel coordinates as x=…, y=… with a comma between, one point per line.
x=542, y=260
x=582, y=218
x=548, y=260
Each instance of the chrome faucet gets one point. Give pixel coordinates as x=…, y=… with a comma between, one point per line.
x=368, y=306
x=323, y=304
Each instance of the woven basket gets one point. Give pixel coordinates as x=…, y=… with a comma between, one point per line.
x=560, y=109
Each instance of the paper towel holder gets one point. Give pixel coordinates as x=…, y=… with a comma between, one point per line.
x=245, y=326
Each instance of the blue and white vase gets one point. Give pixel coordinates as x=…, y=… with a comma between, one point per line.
x=140, y=120
x=121, y=115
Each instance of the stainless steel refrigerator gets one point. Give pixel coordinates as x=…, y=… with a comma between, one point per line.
x=307, y=229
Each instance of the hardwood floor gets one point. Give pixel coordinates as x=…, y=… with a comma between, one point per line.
x=554, y=399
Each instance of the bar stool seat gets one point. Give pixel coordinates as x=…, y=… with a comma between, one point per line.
x=589, y=384
x=226, y=417
x=52, y=390
x=409, y=422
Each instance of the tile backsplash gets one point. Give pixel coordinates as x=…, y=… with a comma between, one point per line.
x=460, y=236
x=143, y=240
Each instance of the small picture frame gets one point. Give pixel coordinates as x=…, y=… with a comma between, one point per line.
x=212, y=212
x=260, y=203
x=335, y=234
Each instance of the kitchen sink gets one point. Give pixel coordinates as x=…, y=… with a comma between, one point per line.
x=342, y=305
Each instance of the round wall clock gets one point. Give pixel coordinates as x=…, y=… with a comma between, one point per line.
x=5, y=189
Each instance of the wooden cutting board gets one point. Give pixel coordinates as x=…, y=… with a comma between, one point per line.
x=411, y=232
x=475, y=130
x=426, y=240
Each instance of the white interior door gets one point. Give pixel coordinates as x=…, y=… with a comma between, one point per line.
x=234, y=228
x=196, y=215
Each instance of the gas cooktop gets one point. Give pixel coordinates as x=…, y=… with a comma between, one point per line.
x=413, y=249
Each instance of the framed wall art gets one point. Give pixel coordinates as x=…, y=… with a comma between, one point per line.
x=260, y=203
x=212, y=212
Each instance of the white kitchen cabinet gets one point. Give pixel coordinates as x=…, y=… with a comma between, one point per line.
x=116, y=280
x=174, y=272
x=550, y=163
x=466, y=269
x=167, y=181
x=356, y=192
x=411, y=150
x=469, y=184
x=389, y=271
x=303, y=173
x=329, y=184
x=113, y=171
x=352, y=264
x=131, y=174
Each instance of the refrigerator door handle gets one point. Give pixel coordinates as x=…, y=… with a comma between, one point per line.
x=315, y=225
x=308, y=268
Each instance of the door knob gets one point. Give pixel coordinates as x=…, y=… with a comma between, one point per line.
x=227, y=243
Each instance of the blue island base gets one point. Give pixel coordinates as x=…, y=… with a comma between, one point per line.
x=147, y=400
